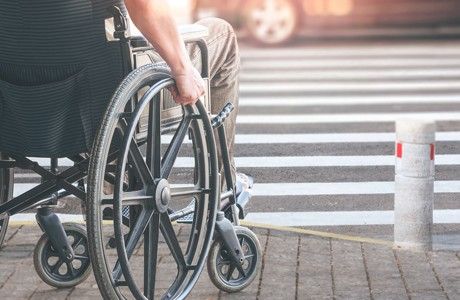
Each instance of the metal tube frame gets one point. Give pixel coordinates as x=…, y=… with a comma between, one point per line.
x=56, y=185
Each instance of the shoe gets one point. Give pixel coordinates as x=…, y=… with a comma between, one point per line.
x=243, y=183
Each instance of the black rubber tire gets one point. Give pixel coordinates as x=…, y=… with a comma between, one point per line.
x=6, y=193
x=39, y=264
x=148, y=74
x=217, y=278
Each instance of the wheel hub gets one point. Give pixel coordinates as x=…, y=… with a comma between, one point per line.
x=162, y=195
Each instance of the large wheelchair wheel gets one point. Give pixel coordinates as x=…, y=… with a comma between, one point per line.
x=6, y=192
x=141, y=252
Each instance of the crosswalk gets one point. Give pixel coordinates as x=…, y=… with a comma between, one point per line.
x=323, y=121
x=316, y=129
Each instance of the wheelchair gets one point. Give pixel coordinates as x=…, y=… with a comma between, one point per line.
x=151, y=226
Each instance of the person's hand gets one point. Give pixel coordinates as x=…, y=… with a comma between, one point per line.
x=189, y=86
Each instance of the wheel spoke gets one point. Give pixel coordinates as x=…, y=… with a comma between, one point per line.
x=81, y=258
x=133, y=238
x=231, y=269
x=77, y=243
x=185, y=193
x=169, y=234
x=224, y=262
x=154, y=138
x=56, y=266
x=150, y=256
x=174, y=147
x=137, y=231
x=140, y=164
x=129, y=198
x=52, y=253
x=70, y=269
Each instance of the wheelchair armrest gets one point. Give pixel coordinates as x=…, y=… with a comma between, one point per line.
x=193, y=32
x=189, y=33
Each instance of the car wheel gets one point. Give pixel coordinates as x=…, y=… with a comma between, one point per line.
x=271, y=22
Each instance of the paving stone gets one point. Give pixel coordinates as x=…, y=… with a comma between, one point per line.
x=418, y=274
x=15, y=290
x=11, y=232
x=18, y=279
x=315, y=280
x=45, y=292
x=279, y=278
x=348, y=270
x=389, y=296
x=447, y=267
x=383, y=271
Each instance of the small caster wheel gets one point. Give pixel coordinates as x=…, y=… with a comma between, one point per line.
x=53, y=270
x=224, y=274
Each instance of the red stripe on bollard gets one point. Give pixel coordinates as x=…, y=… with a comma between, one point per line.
x=432, y=151
x=399, y=150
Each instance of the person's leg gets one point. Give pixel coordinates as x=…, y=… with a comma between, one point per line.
x=224, y=64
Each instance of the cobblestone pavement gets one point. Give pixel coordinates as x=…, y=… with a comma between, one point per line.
x=294, y=267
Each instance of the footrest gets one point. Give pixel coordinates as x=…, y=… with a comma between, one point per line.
x=188, y=219
x=185, y=215
x=107, y=213
x=242, y=201
x=125, y=212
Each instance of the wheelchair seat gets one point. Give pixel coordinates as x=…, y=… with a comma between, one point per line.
x=57, y=74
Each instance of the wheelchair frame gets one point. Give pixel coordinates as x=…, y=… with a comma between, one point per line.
x=56, y=185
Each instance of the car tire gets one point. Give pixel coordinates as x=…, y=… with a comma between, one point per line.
x=271, y=22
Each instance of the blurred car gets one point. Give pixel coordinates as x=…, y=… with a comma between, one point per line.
x=276, y=21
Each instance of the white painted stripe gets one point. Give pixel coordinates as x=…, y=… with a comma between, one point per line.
x=20, y=188
x=29, y=217
x=289, y=87
x=26, y=175
x=345, y=118
x=343, y=218
x=303, y=161
x=341, y=188
x=367, y=75
x=317, y=161
x=331, y=161
x=315, y=188
x=347, y=100
x=364, y=63
x=385, y=51
x=45, y=162
x=317, y=138
x=321, y=218
x=293, y=139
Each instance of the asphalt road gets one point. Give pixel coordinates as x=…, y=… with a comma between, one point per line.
x=316, y=130
x=321, y=124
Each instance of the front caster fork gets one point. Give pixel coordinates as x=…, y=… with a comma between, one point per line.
x=227, y=234
x=51, y=225
x=224, y=226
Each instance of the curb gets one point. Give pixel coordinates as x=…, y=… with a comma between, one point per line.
x=29, y=221
x=321, y=234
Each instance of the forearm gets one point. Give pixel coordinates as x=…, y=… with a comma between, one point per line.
x=154, y=19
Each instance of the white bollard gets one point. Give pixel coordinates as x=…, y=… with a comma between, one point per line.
x=414, y=184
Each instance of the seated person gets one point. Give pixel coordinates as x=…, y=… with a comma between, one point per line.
x=155, y=21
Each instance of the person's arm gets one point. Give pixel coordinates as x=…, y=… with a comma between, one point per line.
x=154, y=19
